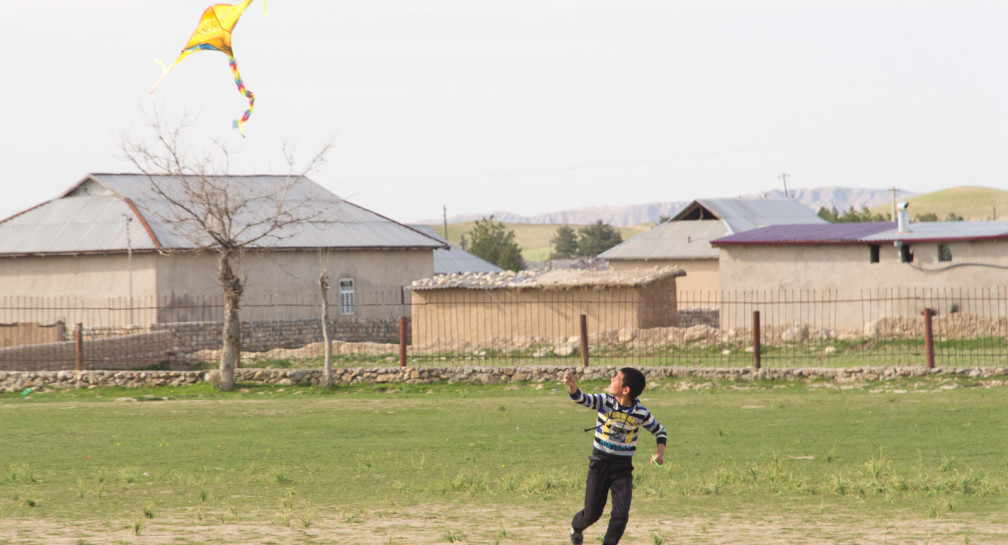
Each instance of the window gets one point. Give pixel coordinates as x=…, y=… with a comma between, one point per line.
x=906, y=256
x=944, y=253
x=346, y=296
x=873, y=254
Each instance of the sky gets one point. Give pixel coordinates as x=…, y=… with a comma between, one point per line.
x=437, y=107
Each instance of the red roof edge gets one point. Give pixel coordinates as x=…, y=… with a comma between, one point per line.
x=143, y=221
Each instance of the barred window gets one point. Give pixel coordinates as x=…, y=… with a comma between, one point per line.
x=944, y=252
x=346, y=296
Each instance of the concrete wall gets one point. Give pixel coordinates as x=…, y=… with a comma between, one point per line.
x=482, y=316
x=40, y=283
x=846, y=271
x=280, y=274
x=702, y=275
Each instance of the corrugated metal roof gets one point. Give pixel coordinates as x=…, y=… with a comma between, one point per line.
x=671, y=240
x=867, y=233
x=455, y=259
x=72, y=224
x=945, y=231
x=90, y=217
x=745, y=214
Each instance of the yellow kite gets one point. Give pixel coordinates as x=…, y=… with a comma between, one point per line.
x=214, y=32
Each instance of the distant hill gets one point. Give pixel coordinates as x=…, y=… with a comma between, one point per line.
x=639, y=214
x=843, y=198
x=970, y=202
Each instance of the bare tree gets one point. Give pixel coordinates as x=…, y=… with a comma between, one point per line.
x=323, y=281
x=216, y=211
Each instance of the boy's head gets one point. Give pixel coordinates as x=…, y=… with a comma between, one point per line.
x=633, y=379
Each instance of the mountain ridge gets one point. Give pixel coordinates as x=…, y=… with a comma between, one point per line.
x=841, y=198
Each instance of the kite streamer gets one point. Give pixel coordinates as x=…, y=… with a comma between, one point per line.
x=214, y=32
x=238, y=123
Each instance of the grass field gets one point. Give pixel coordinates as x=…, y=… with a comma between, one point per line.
x=917, y=461
x=534, y=239
x=970, y=202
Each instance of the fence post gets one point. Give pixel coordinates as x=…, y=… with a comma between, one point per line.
x=929, y=337
x=402, y=342
x=79, y=347
x=584, y=341
x=755, y=340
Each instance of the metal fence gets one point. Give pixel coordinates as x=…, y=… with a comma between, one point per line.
x=951, y=327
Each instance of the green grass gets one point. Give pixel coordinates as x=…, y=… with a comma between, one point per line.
x=299, y=457
x=970, y=202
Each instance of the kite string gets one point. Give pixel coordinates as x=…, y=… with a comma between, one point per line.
x=238, y=123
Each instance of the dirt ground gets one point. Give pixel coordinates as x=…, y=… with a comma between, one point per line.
x=475, y=525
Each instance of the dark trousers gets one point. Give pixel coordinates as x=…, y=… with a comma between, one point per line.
x=605, y=477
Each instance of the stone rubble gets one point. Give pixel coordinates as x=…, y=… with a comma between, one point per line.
x=19, y=381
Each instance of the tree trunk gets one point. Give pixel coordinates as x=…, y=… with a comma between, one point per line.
x=324, y=288
x=231, y=287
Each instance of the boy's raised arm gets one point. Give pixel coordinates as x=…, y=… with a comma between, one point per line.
x=570, y=381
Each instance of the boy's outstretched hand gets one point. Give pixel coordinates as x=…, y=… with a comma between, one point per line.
x=659, y=457
x=570, y=381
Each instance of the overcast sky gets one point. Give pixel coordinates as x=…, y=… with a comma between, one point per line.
x=524, y=106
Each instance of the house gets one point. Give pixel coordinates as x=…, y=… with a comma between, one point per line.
x=684, y=240
x=508, y=310
x=848, y=260
x=108, y=238
x=454, y=259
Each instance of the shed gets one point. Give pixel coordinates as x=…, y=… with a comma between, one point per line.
x=508, y=309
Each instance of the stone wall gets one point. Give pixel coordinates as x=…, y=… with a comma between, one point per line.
x=140, y=347
x=11, y=381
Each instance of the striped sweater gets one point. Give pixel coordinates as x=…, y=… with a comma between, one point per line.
x=616, y=427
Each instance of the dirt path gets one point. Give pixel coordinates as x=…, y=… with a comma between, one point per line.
x=473, y=525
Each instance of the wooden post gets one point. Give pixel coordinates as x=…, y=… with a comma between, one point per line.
x=584, y=341
x=79, y=347
x=755, y=340
x=929, y=337
x=402, y=342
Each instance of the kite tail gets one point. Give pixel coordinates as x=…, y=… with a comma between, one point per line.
x=238, y=123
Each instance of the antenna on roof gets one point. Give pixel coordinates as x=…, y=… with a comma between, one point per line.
x=783, y=178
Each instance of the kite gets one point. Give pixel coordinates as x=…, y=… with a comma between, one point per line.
x=214, y=32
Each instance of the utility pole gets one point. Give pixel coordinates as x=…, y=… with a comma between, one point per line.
x=783, y=177
x=892, y=213
x=444, y=217
x=129, y=265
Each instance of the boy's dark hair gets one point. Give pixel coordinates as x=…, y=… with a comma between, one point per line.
x=633, y=379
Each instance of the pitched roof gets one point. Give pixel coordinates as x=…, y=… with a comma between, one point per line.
x=455, y=259
x=671, y=240
x=95, y=215
x=688, y=234
x=745, y=214
x=867, y=233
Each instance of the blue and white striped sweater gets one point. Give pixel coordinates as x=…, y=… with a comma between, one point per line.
x=616, y=427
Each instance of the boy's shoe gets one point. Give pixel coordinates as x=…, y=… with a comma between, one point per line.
x=577, y=538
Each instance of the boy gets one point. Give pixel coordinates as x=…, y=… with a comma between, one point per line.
x=620, y=415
